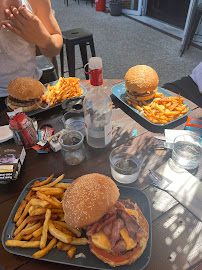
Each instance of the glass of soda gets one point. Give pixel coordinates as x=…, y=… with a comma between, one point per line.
x=125, y=164
x=187, y=151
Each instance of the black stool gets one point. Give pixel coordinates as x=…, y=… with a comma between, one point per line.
x=49, y=72
x=71, y=38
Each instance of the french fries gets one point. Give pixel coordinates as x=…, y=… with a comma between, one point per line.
x=45, y=229
x=63, y=89
x=63, y=246
x=65, y=238
x=45, y=250
x=161, y=110
x=25, y=244
x=20, y=209
x=71, y=252
x=40, y=220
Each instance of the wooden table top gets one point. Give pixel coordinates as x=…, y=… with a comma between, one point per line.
x=175, y=230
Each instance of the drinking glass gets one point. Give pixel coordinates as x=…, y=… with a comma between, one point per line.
x=187, y=151
x=125, y=164
x=74, y=122
x=72, y=147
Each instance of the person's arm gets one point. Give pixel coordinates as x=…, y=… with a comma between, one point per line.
x=40, y=28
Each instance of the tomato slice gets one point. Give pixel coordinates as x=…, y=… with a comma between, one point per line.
x=114, y=258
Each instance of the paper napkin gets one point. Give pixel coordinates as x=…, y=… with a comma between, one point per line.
x=185, y=187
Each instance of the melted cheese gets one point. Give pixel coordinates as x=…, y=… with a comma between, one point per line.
x=133, y=213
x=130, y=243
x=101, y=241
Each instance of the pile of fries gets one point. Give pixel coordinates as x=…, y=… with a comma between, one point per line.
x=40, y=220
x=63, y=89
x=161, y=110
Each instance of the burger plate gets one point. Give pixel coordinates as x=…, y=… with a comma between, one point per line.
x=91, y=261
x=119, y=91
x=31, y=113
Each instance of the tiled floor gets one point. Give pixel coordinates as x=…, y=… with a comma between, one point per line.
x=122, y=43
x=166, y=28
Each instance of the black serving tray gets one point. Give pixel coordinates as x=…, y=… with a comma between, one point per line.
x=91, y=261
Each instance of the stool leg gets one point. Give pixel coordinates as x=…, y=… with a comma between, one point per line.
x=194, y=27
x=92, y=47
x=62, y=61
x=71, y=60
x=84, y=56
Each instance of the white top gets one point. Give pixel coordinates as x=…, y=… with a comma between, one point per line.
x=197, y=76
x=17, y=57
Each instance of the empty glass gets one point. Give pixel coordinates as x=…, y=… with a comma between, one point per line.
x=125, y=164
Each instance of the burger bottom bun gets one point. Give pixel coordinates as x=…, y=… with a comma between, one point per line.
x=134, y=254
x=24, y=109
x=140, y=98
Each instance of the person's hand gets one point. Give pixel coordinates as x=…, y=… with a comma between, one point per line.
x=27, y=25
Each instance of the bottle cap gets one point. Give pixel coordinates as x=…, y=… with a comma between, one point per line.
x=95, y=63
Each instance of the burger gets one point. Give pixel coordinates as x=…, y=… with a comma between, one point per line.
x=117, y=230
x=25, y=92
x=141, y=83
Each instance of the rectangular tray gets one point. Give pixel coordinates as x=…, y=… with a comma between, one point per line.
x=91, y=261
x=119, y=91
x=31, y=113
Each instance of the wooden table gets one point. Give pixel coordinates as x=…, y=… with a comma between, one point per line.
x=175, y=231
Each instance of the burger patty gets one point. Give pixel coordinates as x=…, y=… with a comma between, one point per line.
x=136, y=94
x=113, y=222
x=23, y=103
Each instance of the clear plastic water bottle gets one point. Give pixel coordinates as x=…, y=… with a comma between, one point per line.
x=97, y=107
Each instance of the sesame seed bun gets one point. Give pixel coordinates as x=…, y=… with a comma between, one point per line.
x=26, y=93
x=88, y=199
x=141, y=82
x=25, y=88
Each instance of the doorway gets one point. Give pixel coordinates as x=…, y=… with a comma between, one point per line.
x=173, y=12
x=132, y=7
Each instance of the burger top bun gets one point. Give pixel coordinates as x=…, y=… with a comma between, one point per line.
x=25, y=88
x=88, y=199
x=141, y=79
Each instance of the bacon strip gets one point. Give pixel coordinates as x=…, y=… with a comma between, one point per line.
x=132, y=226
x=113, y=222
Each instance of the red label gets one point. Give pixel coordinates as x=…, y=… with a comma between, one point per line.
x=96, y=77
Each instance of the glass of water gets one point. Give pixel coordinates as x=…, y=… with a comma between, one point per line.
x=187, y=151
x=125, y=164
